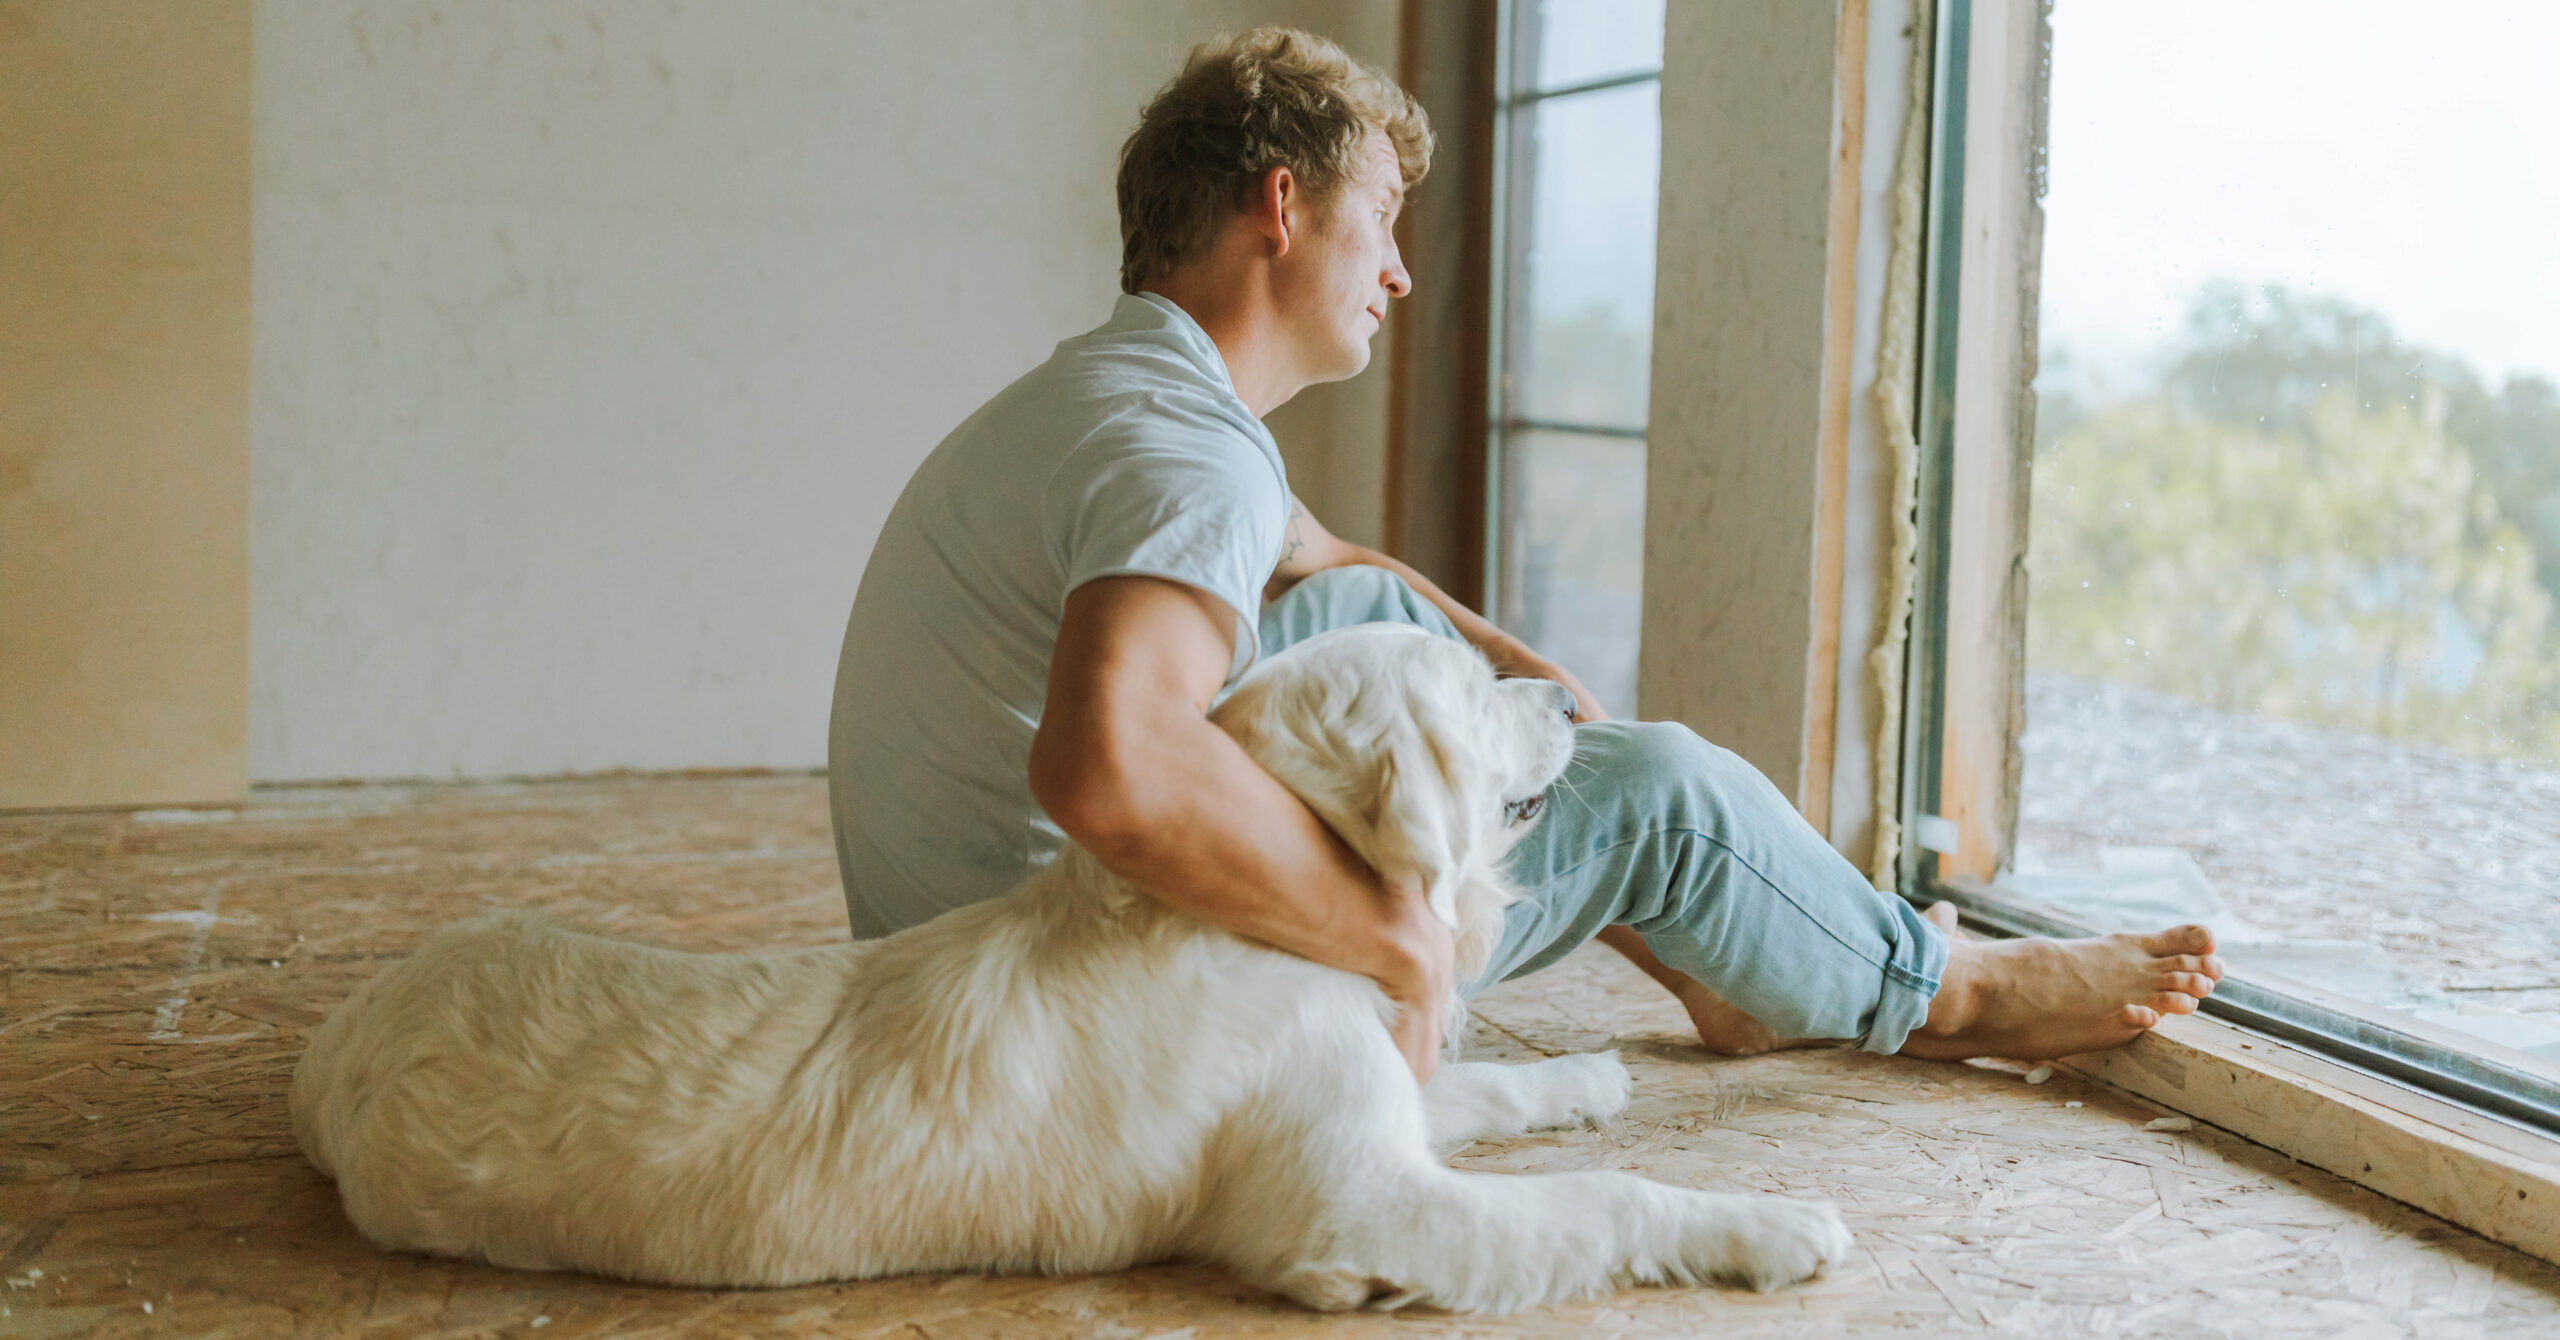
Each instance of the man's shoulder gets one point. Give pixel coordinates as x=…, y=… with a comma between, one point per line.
x=1139, y=406
x=1105, y=402
x=1103, y=375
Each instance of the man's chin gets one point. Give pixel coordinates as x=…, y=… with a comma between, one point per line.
x=1343, y=360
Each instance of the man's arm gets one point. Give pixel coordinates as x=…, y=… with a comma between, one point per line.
x=1311, y=549
x=1128, y=764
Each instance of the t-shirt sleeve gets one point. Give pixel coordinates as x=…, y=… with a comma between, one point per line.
x=1206, y=513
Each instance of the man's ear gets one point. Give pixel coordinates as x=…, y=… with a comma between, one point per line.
x=1277, y=207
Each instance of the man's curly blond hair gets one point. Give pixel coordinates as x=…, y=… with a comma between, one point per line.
x=1274, y=97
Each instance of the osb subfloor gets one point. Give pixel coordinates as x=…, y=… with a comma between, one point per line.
x=160, y=972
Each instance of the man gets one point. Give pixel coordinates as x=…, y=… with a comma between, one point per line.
x=1074, y=575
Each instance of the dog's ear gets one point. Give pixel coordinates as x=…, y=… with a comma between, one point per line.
x=1421, y=836
x=1373, y=734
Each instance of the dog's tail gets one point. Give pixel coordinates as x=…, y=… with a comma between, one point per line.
x=338, y=1070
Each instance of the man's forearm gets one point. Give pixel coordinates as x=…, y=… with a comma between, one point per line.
x=1475, y=628
x=1508, y=654
x=1127, y=762
x=1312, y=549
x=1189, y=817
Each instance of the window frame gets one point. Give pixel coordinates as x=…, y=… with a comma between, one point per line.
x=1514, y=181
x=1956, y=464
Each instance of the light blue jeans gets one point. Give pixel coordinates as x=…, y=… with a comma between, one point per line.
x=1693, y=848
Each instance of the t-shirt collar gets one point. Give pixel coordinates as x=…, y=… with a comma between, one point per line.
x=1154, y=311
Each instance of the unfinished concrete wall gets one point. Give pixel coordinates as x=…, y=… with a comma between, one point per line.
x=1752, y=325
x=593, y=342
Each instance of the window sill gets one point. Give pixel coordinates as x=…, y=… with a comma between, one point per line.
x=2498, y=1180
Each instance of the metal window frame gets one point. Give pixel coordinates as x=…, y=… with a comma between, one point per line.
x=2474, y=1080
x=1515, y=178
x=1521, y=425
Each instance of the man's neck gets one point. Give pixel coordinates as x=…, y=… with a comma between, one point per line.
x=1236, y=312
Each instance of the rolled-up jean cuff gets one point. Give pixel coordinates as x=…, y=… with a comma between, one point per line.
x=1911, y=976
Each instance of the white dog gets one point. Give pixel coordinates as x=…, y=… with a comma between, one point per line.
x=1070, y=1079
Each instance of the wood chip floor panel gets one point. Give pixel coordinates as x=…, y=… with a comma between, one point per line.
x=157, y=976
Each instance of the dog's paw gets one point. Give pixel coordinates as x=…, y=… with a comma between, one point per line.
x=1582, y=1090
x=1769, y=1242
x=1330, y=1286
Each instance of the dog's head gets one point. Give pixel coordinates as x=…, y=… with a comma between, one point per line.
x=1407, y=746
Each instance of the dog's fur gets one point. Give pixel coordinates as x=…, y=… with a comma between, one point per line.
x=1071, y=1078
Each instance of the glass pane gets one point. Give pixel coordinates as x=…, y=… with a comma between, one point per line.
x=2294, y=659
x=1581, y=327
x=1577, y=41
x=1576, y=538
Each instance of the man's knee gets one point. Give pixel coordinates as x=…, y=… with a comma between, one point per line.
x=1665, y=770
x=1365, y=593
x=1360, y=585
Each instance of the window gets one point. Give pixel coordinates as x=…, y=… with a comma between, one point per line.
x=1578, y=138
x=2293, y=623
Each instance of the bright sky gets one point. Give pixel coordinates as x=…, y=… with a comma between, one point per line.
x=1595, y=39
x=1600, y=162
x=2405, y=157
x=1599, y=181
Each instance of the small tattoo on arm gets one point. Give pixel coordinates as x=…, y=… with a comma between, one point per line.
x=1297, y=513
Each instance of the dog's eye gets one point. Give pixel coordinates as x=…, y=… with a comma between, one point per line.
x=1522, y=811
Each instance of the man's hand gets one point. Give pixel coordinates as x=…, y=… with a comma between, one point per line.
x=1522, y=663
x=1421, y=987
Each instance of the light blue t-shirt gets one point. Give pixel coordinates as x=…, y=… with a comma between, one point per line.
x=1127, y=452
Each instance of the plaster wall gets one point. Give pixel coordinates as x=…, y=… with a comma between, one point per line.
x=593, y=341
x=1732, y=470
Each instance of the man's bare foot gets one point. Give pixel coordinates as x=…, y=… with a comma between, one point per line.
x=2035, y=999
x=1724, y=1029
x=1722, y=1026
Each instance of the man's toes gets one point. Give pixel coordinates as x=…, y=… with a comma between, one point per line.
x=2203, y=965
x=2172, y=1002
x=2194, y=984
x=2180, y=940
x=2138, y=1016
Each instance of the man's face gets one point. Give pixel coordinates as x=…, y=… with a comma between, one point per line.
x=1342, y=268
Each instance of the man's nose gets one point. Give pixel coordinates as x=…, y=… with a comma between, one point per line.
x=1397, y=282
